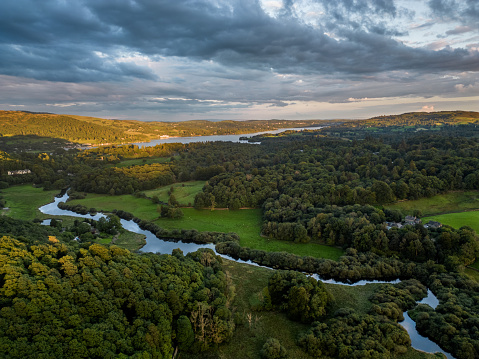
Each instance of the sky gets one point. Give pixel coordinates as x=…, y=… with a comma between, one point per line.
x=165, y=60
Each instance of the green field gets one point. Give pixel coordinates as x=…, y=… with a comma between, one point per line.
x=457, y=220
x=140, y=207
x=129, y=240
x=444, y=203
x=184, y=192
x=246, y=223
x=23, y=201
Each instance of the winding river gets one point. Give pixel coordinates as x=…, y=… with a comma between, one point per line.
x=155, y=245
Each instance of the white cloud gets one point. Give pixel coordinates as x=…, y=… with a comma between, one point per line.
x=427, y=108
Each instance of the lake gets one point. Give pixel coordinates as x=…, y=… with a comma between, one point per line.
x=224, y=138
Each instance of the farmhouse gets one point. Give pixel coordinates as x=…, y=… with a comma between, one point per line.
x=19, y=172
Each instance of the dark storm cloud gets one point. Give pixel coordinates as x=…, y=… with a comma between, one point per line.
x=62, y=40
x=65, y=63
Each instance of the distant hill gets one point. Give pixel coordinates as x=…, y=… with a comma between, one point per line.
x=91, y=130
x=421, y=118
x=449, y=123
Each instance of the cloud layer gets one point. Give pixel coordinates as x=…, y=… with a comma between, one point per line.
x=203, y=58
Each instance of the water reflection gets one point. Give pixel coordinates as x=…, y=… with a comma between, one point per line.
x=419, y=342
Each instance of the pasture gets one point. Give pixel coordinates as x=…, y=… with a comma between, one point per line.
x=23, y=201
x=245, y=222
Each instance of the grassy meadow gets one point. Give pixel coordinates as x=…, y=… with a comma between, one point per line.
x=129, y=240
x=473, y=273
x=456, y=209
x=23, y=201
x=457, y=220
x=251, y=334
x=245, y=222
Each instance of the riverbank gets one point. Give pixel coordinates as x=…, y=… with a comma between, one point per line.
x=52, y=208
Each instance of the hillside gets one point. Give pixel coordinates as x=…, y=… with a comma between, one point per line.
x=451, y=123
x=91, y=130
x=14, y=123
x=422, y=118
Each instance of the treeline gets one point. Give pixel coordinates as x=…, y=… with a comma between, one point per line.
x=99, y=302
x=424, y=118
x=327, y=171
x=392, y=300
x=206, y=128
x=351, y=267
x=445, y=123
x=34, y=143
x=50, y=170
x=352, y=335
x=134, y=151
x=29, y=232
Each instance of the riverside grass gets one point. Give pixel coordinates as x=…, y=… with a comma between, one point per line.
x=245, y=222
x=23, y=201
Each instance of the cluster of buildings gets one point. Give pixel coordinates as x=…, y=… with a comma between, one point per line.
x=411, y=221
x=19, y=172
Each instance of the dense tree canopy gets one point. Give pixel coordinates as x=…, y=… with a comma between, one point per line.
x=99, y=302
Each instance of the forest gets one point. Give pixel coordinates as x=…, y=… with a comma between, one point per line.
x=61, y=300
x=331, y=187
